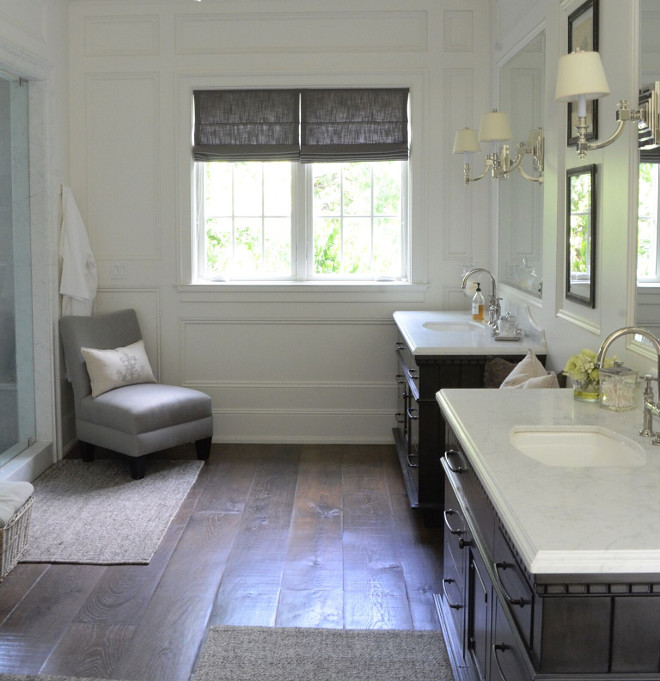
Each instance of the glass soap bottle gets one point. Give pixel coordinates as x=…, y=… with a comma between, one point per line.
x=478, y=305
x=617, y=387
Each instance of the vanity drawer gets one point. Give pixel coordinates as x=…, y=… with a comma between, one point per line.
x=518, y=594
x=453, y=596
x=408, y=368
x=456, y=530
x=464, y=480
x=508, y=661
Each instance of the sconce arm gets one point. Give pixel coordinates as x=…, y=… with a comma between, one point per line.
x=466, y=172
x=623, y=115
x=538, y=179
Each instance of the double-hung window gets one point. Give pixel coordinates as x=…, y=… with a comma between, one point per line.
x=301, y=184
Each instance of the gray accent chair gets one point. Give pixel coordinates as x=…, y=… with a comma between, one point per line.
x=134, y=420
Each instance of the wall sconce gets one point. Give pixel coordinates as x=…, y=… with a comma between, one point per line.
x=581, y=77
x=495, y=129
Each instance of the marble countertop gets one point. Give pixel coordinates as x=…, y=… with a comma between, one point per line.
x=445, y=340
x=562, y=519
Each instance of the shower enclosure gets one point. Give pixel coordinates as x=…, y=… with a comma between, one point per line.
x=17, y=413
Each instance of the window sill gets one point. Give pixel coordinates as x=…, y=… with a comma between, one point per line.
x=293, y=291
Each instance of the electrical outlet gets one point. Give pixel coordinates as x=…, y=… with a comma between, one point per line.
x=117, y=270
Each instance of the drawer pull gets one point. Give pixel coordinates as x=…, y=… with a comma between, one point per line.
x=399, y=417
x=452, y=530
x=400, y=346
x=453, y=606
x=413, y=414
x=411, y=463
x=400, y=378
x=458, y=469
x=503, y=565
x=500, y=647
x=414, y=374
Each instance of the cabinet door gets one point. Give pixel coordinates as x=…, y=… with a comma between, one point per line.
x=507, y=662
x=479, y=615
x=402, y=396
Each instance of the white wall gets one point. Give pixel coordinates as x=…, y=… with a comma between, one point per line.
x=570, y=326
x=282, y=363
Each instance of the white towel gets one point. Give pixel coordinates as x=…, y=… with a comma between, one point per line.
x=12, y=496
x=79, y=277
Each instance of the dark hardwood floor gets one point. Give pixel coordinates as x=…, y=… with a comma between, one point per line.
x=302, y=535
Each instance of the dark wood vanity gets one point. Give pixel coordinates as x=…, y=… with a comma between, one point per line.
x=502, y=623
x=419, y=433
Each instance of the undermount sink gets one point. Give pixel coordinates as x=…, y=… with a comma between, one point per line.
x=454, y=327
x=577, y=446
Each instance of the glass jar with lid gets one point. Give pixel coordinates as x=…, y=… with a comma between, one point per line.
x=617, y=387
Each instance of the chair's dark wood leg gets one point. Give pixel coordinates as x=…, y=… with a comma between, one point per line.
x=203, y=448
x=138, y=466
x=86, y=451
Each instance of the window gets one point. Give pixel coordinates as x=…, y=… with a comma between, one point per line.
x=319, y=199
x=647, y=227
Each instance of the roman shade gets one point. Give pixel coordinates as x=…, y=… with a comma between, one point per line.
x=354, y=125
x=311, y=125
x=246, y=125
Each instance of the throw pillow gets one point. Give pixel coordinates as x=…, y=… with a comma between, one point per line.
x=527, y=370
x=110, y=369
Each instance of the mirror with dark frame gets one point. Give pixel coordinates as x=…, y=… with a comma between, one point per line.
x=581, y=235
x=647, y=312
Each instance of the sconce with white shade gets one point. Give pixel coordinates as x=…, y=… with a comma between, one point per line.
x=581, y=77
x=495, y=129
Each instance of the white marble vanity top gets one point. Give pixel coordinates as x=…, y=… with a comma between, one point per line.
x=562, y=519
x=446, y=333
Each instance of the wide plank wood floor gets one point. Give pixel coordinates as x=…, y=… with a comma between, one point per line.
x=276, y=535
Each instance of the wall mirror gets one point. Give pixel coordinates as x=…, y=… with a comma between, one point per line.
x=647, y=312
x=520, y=236
x=581, y=235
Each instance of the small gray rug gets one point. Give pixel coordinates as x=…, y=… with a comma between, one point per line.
x=94, y=512
x=39, y=677
x=294, y=654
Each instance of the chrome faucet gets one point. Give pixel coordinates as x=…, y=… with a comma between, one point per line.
x=650, y=407
x=494, y=309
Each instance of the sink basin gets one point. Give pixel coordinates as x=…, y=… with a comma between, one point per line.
x=577, y=446
x=455, y=327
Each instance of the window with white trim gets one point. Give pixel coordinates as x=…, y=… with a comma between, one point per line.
x=301, y=185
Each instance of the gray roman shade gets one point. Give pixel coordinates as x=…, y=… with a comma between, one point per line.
x=354, y=125
x=316, y=125
x=246, y=125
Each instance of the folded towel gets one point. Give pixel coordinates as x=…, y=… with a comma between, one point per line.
x=12, y=496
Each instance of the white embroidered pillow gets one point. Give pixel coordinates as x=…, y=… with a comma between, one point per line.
x=110, y=369
x=527, y=374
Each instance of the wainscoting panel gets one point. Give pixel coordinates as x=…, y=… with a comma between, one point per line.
x=301, y=32
x=123, y=191
x=291, y=380
x=121, y=36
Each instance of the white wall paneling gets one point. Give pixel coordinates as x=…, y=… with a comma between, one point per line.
x=122, y=36
x=123, y=160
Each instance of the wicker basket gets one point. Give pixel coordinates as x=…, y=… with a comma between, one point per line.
x=14, y=537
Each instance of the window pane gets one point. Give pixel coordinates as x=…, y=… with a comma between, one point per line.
x=248, y=244
x=218, y=246
x=218, y=190
x=357, y=246
x=277, y=189
x=357, y=189
x=327, y=189
x=327, y=246
x=387, y=188
x=387, y=247
x=277, y=251
x=247, y=188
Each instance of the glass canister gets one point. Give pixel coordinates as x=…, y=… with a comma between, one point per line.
x=617, y=387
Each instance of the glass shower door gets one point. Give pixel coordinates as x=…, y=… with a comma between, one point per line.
x=17, y=418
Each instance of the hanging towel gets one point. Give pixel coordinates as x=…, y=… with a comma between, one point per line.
x=79, y=277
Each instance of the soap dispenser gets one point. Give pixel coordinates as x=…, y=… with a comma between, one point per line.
x=478, y=305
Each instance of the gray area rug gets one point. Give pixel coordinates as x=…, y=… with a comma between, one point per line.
x=94, y=512
x=38, y=677
x=294, y=654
